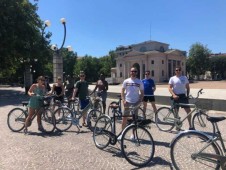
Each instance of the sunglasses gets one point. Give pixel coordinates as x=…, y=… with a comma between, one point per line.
x=133, y=71
x=147, y=73
x=82, y=75
x=178, y=70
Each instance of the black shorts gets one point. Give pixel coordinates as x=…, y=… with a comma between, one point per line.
x=149, y=98
x=182, y=99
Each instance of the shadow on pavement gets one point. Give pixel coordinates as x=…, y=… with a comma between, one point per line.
x=45, y=135
x=12, y=97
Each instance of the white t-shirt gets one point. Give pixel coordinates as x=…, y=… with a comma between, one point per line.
x=132, y=88
x=179, y=84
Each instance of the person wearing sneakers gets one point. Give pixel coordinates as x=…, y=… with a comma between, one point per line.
x=149, y=88
x=134, y=94
x=180, y=89
x=81, y=88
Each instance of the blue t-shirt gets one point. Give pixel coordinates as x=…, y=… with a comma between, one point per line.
x=149, y=84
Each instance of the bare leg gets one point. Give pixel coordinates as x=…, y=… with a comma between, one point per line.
x=39, y=118
x=104, y=106
x=188, y=110
x=145, y=108
x=28, y=119
x=154, y=107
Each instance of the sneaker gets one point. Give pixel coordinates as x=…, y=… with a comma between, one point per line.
x=191, y=128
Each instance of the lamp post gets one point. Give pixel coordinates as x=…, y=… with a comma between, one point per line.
x=57, y=57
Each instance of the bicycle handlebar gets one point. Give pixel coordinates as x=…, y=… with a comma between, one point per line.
x=197, y=96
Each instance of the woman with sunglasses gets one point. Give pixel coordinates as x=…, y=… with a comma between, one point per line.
x=36, y=90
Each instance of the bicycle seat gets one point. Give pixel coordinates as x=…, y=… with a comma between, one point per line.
x=215, y=119
x=25, y=103
x=114, y=106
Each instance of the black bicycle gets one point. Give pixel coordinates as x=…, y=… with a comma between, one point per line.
x=137, y=144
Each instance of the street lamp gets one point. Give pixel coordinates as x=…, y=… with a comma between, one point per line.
x=57, y=58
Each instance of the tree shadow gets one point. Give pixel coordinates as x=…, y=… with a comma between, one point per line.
x=45, y=135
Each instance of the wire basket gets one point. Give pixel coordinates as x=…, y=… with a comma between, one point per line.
x=204, y=104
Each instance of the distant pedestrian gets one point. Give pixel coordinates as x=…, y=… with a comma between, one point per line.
x=47, y=86
x=102, y=87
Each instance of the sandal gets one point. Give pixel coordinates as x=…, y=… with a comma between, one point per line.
x=84, y=124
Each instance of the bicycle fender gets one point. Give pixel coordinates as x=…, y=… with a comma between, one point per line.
x=188, y=131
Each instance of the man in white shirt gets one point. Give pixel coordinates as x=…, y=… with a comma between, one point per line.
x=134, y=93
x=180, y=89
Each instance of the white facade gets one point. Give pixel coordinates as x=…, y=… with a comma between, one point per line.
x=151, y=55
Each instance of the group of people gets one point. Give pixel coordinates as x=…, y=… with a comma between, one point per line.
x=134, y=91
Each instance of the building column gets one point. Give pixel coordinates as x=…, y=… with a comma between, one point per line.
x=57, y=66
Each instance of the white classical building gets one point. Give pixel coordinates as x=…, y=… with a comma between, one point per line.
x=150, y=55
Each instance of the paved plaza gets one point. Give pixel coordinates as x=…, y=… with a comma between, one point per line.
x=69, y=150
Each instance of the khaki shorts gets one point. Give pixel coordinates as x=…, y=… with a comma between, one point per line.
x=127, y=111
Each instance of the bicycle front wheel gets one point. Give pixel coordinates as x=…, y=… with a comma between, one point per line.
x=101, y=137
x=200, y=123
x=137, y=145
x=164, y=119
x=186, y=148
x=64, y=118
x=16, y=119
x=92, y=117
x=48, y=121
x=73, y=105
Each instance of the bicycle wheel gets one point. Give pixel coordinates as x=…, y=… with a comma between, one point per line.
x=98, y=106
x=92, y=117
x=48, y=121
x=63, y=117
x=141, y=114
x=185, y=152
x=164, y=119
x=110, y=109
x=16, y=119
x=73, y=105
x=200, y=123
x=101, y=137
x=137, y=145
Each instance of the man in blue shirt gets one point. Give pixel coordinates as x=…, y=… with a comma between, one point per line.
x=149, y=88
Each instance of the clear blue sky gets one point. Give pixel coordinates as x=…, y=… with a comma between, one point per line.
x=95, y=27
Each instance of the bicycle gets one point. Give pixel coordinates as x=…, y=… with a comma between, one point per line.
x=167, y=118
x=137, y=144
x=118, y=109
x=199, y=150
x=17, y=116
x=66, y=117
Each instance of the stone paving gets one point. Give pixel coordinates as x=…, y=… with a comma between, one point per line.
x=68, y=150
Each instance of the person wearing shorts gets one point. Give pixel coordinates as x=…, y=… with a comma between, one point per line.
x=102, y=88
x=149, y=88
x=81, y=87
x=134, y=94
x=180, y=89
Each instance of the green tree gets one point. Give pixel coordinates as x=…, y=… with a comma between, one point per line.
x=69, y=60
x=198, y=60
x=21, y=38
x=106, y=63
x=217, y=66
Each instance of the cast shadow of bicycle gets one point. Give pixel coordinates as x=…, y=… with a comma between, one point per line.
x=45, y=135
x=116, y=152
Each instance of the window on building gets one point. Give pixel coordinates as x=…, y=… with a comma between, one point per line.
x=152, y=61
x=143, y=49
x=182, y=63
x=161, y=49
x=120, y=74
x=162, y=61
x=152, y=73
x=120, y=65
x=163, y=73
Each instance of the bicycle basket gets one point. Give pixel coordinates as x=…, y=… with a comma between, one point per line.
x=204, y=104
